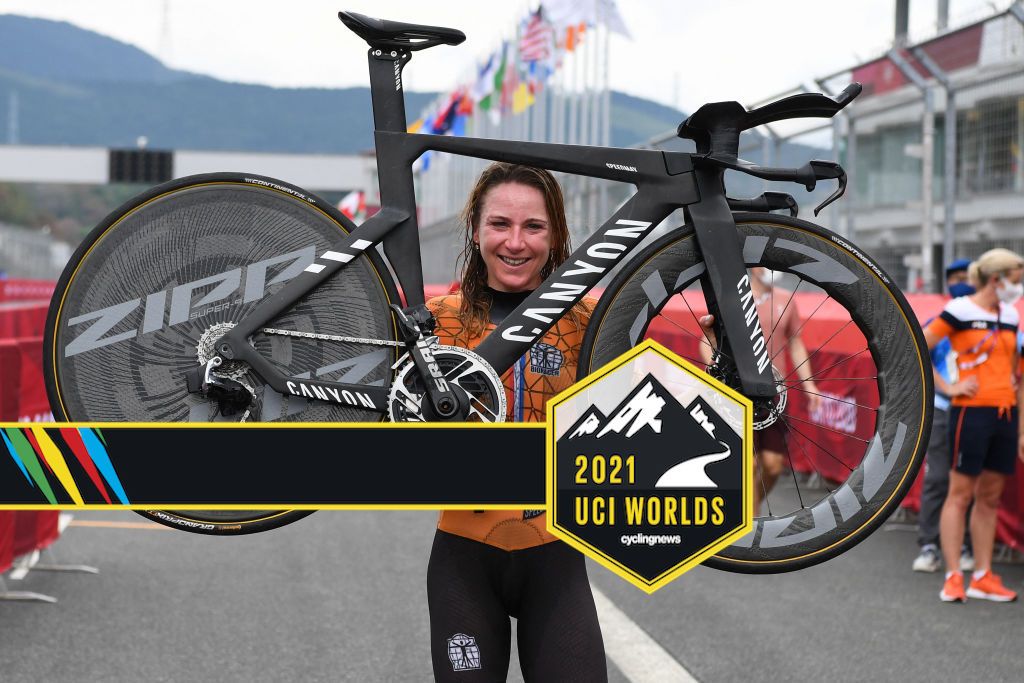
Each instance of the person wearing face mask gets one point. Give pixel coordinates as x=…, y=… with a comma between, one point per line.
x=937, y=463
x=781, y=325
x=984, y=429
x=488, y=566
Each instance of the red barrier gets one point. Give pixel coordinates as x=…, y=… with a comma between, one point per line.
x=23, y=397
x=26, y=290
x=912, y=501
x=33, y=405
x=1010, y=522
x=10, y=379
x=22, y=319
x=34, y=530
x=6, y=540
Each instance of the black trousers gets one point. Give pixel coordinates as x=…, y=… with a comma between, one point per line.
x=473, y=589
x=937, y=465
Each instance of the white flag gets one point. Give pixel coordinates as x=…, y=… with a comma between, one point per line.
x=564, y=13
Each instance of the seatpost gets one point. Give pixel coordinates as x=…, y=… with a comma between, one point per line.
x=394, y=175
x=386, y=66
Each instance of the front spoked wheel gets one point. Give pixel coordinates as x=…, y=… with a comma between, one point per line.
x=150, y=291
x=851, y=417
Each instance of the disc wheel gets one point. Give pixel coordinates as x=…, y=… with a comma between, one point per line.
x=152, y=287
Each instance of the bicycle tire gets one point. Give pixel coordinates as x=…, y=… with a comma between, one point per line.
x=817, y=260
x=172, y=264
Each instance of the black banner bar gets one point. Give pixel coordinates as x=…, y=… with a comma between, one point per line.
x=263, y=465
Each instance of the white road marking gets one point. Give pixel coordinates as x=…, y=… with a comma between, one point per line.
x=638, y=657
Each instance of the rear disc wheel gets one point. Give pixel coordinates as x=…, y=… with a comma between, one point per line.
x=152, y=287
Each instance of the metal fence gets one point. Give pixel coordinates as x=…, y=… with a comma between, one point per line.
x=957, y=118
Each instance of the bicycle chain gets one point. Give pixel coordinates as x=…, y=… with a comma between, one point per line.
x=331, y=337
x=236, y=375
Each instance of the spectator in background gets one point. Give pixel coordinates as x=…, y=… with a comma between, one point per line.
x=781, y=324
x=937, y=464
x=985, y=433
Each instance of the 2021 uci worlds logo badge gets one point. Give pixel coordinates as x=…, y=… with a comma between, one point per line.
x=649, y=466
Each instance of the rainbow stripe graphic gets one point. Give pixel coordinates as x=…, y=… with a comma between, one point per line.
x=36, y=453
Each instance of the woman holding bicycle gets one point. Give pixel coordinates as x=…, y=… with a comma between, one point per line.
x=491, y=565
x=985, y=432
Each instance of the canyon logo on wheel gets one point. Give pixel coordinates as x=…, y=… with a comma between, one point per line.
x=650, y=466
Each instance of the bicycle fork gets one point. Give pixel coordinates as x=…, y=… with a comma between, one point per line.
x=727, y=288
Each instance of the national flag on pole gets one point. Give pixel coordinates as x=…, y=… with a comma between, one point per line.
x=446, y=116
x=465, y=107
x=492, y=102
x=573, y=36
x=484, y=85
x=564, y=14
x=537, y=41
x=508, y=89
x=353, y=205
x=522, y=99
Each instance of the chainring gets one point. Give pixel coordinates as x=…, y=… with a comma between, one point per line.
x=465, y=371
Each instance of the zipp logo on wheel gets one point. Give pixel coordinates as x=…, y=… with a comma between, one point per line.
x=649, y=466
x=182, y=303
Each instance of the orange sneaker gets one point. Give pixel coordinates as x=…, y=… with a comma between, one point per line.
x=953, y=589
x=990, y=587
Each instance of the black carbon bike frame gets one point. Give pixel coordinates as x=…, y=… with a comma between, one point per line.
x=665, y=181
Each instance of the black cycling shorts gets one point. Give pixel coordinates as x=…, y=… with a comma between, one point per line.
x=472, y=590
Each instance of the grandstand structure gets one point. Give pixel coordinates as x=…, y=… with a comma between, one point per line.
x=950, y=108
x=896, y=133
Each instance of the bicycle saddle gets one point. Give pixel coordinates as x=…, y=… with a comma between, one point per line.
x=381, y=33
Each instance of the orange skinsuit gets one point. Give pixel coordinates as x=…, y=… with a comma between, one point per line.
x=548, y=369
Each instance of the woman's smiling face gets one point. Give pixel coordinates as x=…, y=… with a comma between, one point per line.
x=514, y=236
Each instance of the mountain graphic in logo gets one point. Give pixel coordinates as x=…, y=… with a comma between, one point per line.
x=681, y=444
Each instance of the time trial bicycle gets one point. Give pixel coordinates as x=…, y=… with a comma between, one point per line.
x=232, y=296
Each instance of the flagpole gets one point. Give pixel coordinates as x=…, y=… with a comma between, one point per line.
x=606, y=111
x=594, y=104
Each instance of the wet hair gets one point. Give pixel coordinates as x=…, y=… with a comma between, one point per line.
x=476, y=299
x=993, y=263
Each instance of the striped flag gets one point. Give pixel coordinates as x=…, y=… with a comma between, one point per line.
x=353, y=205
x=537, y=39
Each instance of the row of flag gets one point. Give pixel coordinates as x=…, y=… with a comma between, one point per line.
x=510, y=78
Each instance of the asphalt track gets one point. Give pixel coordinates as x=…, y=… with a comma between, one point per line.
x=340, y=596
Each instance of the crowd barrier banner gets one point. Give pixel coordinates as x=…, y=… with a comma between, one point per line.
x=6, y=540
x=912, y=501
x=34, y=530
x=26, y=290
x=10, y=379
x=1010, y=520
x=33, y=405
x=22, y=320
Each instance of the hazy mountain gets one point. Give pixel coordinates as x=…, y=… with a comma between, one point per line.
x=77, y=87
x=61, y=52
